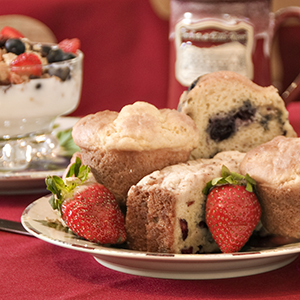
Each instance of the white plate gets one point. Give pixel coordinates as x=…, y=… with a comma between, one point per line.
x=173, y=266
x=33, y=179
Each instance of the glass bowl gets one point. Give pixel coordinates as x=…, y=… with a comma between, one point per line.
x=29, y=109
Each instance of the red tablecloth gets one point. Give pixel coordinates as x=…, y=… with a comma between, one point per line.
x=33, y=269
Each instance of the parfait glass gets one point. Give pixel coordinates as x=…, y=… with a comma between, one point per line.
x=29, y=109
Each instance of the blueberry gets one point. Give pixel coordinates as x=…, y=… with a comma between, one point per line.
x=38, y=86
x=15, y=46
x=220, y=129
x=55, y=55
x=193, y=84
x=246, y=112
x=45, y=49
x=62, y=73
x=68, y=55
x=264, y=122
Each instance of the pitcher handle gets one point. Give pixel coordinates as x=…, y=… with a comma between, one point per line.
x=293, y=91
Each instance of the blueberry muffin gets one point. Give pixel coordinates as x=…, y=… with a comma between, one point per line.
x=233, y=113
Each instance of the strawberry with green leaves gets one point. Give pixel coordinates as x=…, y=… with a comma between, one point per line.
x=88, y=208
x=232, y=210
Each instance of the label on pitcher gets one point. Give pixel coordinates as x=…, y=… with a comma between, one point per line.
x=211, y=46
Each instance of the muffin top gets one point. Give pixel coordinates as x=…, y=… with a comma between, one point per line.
x=226, y=86
x=274, y=163
x=181, y=177
x=137, y=127
x=233, y=113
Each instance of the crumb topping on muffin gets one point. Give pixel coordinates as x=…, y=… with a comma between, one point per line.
x=276, y=162
x=137, y=127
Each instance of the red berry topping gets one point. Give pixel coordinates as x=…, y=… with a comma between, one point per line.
x=27, y=64
x=69, y=45
x=9, y=32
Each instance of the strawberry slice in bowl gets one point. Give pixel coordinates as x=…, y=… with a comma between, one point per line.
x=87, y=207
x=10, y=32
x=27, y=64
x=232, y=210
x=69, y=45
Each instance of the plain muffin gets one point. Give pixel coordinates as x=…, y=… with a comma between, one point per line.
x=121, y=148
x=276, y=168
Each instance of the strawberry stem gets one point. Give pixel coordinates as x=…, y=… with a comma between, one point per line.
x=61, y=189
x=230, y=178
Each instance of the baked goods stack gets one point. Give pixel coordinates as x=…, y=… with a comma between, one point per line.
x=158, y=162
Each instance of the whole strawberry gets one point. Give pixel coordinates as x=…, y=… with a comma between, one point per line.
x=232, y=210
x=88, y=208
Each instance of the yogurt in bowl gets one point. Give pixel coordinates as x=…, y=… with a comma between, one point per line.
x=38, y=83
x=32, y=106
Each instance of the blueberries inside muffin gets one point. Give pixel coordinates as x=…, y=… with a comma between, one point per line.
x=222, y=127
x=194, y=83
